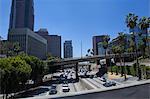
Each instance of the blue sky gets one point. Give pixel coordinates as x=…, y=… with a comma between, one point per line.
x=79, y=20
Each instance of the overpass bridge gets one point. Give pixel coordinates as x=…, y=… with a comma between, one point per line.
x=75, y=61
x=85, y=59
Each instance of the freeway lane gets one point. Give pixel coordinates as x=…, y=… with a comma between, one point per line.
x=135, y=92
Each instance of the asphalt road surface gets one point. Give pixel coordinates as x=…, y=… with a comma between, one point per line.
x=136, y=92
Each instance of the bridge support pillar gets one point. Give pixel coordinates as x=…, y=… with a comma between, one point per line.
x=76, y=68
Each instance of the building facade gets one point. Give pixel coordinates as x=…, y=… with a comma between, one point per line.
x=21, y=28
x=116, y=41
x=30, y=42
x=101, y=50
x=96, y=41
x=53, y=42
x=136, y=31
x=22, y=14
x=68, y=49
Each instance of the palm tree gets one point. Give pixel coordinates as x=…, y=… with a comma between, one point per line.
x=105, y=46
x=131, y=21
x=88, y=50
x=142, y=46
x=115, y=50
x=144, y=24
x=122, y=50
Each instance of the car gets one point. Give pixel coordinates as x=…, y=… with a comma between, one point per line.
x=109, y=84
x=53, y=86
x=104, y=79
x=91, y=76
x=52, y=91
x=65, y=88
x=112, y=83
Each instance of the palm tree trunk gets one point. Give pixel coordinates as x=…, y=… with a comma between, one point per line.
x=121, y=65
x=147, y=42
x=125, y=77
x=117, y=66
x=137, y=61
x=106, y=64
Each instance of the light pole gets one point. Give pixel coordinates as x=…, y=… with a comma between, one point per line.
x=81, y=49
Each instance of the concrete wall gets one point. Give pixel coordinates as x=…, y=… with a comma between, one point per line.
x=86, y=84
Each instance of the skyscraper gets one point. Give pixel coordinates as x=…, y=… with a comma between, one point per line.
x=68, y=49
x=22, y=14
x=53, y=42
x=21, y=29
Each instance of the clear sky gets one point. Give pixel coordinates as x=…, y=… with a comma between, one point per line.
x=79, y=20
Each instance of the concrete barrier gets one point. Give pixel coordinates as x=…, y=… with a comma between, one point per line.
x=80, y=86
x=87, y=84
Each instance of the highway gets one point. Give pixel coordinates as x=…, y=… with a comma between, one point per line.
x=136, y=92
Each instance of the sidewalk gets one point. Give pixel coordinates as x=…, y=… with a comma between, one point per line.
x=114, y=76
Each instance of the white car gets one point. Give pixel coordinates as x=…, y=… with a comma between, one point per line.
x=65, y=88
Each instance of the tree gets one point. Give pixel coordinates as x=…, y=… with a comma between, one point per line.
x=50, y=57
x=142, y=47
x=131, y=21
x=144, y=24
x=16, y=47
x=122, y=39
x=105, y=45
x=37, y=66
x=90, y=52
x=114, y=50
x=15, y=71
x=10, y=48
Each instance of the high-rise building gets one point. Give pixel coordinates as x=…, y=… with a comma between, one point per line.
x=22, y=14
x=21, y=29
x=53, y=42
x=30, y=42
x=68, y=49
x=96, y=40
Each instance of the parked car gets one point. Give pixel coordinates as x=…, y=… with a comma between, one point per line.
x=65, y=88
